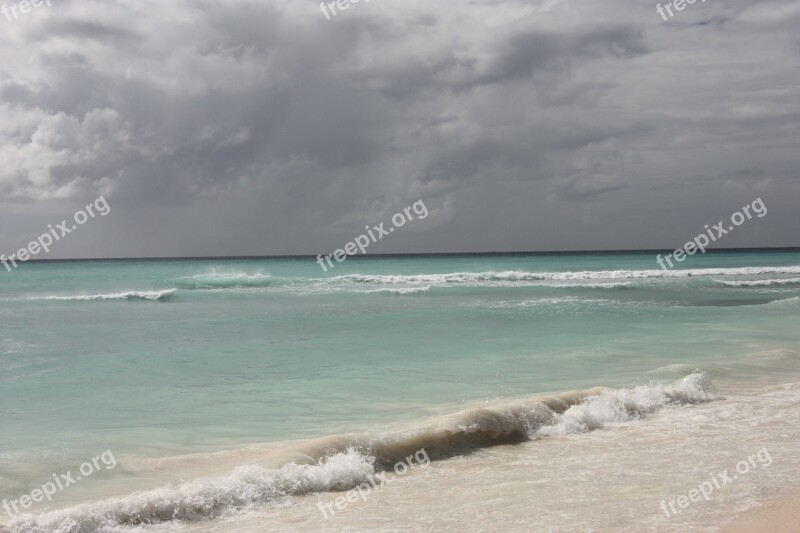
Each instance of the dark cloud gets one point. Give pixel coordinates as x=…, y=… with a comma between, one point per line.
x=262, y=128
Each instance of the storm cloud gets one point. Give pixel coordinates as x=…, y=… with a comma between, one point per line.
x=263, y=128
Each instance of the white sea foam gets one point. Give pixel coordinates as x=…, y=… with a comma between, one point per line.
x=222, y=280
x=614, y=406
x=419, y=283
x=129, y=295
x=403, y=291
x=760, y=282
x=586, y=275
x=203, y=499
x=620, y=285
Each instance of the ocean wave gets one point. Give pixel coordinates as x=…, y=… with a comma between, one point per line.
x=345, y=461
x=403, y=291
x=204, y=499
x=586, y=275
x=615, y=406
x=152, y=296
x=419, y=283
x=621, y=285
x=521, y=420
x=226, y=280
x=785, y=301
x=760, y=282
x=540, y=302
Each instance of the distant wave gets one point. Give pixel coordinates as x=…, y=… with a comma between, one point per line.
x=586, y=275
x=223, y=280
x=404, y=291
x=760, y=282
x=418, y=284
x=129, y=295
x=422, y=283
x=345, y=461
x=621, y=285
x=785, y=301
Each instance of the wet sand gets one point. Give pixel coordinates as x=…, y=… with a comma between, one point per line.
x=779, y=515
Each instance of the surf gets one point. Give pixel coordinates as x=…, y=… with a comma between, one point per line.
x=342, y=462
x=152, y=296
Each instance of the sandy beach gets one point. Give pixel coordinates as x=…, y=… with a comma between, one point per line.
x=778, y=515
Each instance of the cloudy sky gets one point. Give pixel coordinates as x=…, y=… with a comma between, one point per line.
x=263, y=128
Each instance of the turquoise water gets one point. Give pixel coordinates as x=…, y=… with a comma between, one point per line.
x=160, y=358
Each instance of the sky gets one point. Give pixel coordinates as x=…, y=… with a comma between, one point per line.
x=247, y=128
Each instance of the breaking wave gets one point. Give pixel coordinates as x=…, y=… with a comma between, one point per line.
x=587, y=275
x=414, y=284
x=404, y=291
x=345, y=461
x=761, y=282
x=153, y=296
x=231, y=280
x=204, y=499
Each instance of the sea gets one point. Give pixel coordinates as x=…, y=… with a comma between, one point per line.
x=523, y=392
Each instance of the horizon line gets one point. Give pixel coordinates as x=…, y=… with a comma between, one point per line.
x=413, y=254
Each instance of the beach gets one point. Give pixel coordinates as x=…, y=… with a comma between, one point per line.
x=495, y=392
x=780, y=516
x=399, y=266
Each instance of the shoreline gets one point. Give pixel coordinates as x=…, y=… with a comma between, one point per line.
x=652, y=445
